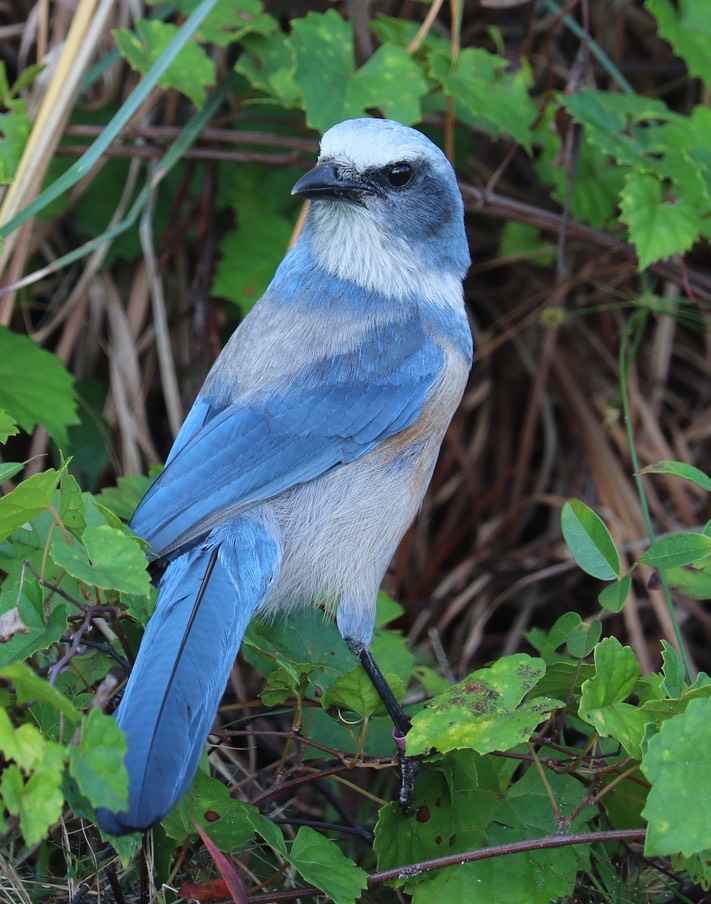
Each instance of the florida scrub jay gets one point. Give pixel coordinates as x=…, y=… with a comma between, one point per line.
x=307, y=453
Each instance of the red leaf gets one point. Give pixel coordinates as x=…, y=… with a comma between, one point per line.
x=233, y=882
x=214, y=890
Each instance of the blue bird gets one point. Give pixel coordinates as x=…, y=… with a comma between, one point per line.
x=307, y=453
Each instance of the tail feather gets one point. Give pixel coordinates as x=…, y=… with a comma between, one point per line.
x=206, y=599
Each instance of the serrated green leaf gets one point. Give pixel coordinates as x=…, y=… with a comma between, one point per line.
x=602, y=699
x=673, y=670
x=106, y=558
x=30, y=687
x=678, y=764
x=287, y=680
x=614, y=596
x=680, y=469
x=29, y=499
x=322, y=863
x=34, y=386
x=681, y=548
x=391, y=81
x=269, y=65
x=322, y=44
x=688, y=30
x=24, y=744
x=589, y=541
x=231, y=20
x=466, y=814
x=128, y=492
x=485, y=711
x=8, y=427
x=191, y=71
x=39, y=628
x=698, y=867
x=497, y=100
x=38, y=800
x=354, y=691
x=658, y=228
x=96, y=762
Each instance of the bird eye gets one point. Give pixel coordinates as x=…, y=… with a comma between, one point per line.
x=399, y=174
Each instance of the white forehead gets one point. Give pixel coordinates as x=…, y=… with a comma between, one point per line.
x=374, y=143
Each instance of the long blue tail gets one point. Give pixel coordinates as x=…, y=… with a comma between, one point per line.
x=206, y=599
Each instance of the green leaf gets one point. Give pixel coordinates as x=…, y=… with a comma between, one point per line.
x=8, y=427
x=321, y=863
x=191, y=71
x=698, y=867
x=96, y=762
x=128, y=492
x=547, y=644
x=287, y=680
x=688, y=30
x=38, y=800
x=391, y=81
x=38, y=626
x=680, y=548
x=680, y=469
x=29, y=687
x=614, y=596
x=269, y=65
x=34, y=386
x=10, y=468
x=589, y=541
x=674, y=671
x=29, y=499
x=494, y=99
x=678, y=764
x=582, y=640
x=108, y=558
x=323, y=47
x=692, y=580
x=485, y=711
x=231, y=20
x=249, y=256
x=471, y=806
x=602, y=700
x=24, y=744
x=522, y=240
x=228, y=822
x=354, y=691
x=14, y=129
x=658, y=228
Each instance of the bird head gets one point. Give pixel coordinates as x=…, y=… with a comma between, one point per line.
x=384, y=201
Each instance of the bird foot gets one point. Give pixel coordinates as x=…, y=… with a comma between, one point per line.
x=409, y=768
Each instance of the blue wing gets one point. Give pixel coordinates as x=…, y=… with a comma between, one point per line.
x=332, y=413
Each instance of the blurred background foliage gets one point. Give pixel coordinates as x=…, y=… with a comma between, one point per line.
x=148, y=152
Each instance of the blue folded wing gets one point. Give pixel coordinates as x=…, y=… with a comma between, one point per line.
x=331, y=413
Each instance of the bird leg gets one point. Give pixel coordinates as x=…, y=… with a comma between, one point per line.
x=409, y=766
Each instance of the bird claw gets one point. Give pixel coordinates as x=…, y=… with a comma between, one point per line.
x=409, y=768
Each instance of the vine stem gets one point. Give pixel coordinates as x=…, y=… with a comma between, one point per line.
x=633, y=329
x=499, y=850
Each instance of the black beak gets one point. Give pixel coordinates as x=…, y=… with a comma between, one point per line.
x=325, y=182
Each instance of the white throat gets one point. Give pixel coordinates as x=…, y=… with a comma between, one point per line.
x=348, y=242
